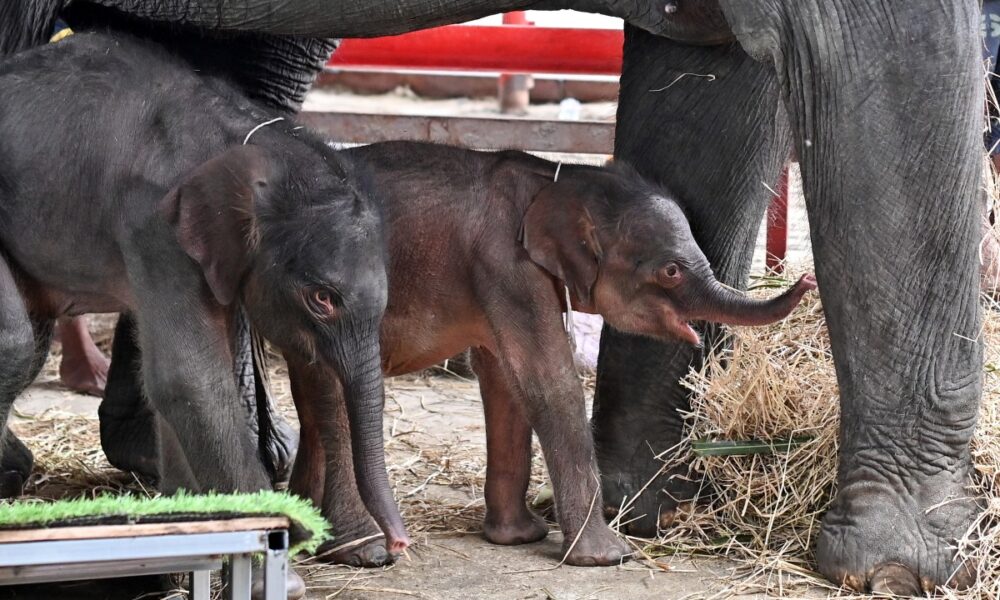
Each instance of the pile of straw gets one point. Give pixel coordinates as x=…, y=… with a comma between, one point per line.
x=763, y=510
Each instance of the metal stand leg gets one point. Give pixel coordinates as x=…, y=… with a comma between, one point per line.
x=276, y=567
x=200, y=585
x=238, y=577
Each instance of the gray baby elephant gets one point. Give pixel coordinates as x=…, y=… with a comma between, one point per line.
x=128, y=183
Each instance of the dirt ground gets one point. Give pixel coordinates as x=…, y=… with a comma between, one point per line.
x=436, y=446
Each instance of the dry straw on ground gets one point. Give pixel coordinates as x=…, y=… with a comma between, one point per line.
x=763, y=510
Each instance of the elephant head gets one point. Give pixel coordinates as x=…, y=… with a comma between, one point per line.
x=625, y=250
x=289, y=236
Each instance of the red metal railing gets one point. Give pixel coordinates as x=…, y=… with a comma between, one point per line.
x=503, y=48
x=777, y=227
x=523, y=49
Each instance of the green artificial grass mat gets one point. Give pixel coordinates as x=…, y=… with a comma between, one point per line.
x=308, y=530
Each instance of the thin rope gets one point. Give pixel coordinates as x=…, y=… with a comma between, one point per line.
x=568, y=321
x=259, y=127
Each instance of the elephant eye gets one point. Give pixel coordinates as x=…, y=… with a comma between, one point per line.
x=321, y=301
x=669, y=275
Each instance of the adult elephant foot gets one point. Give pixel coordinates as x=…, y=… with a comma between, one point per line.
x=651, y=510
x=599, y=547
x=880, y=538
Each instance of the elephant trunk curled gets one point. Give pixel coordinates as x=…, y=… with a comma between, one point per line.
x=712, y=301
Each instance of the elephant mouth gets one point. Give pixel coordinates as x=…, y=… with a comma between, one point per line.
x=679, y=328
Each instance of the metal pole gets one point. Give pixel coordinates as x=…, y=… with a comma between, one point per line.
x=200, y=585
x=777, y=227
x=276, y=566
x=238, y=577
x=515, y=89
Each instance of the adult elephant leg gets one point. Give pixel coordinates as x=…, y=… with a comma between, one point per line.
x=886, y=103
x=705, y=122
x=276, y=440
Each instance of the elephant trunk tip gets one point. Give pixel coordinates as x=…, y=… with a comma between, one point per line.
x=397, y=543
x=396, y=538
x=806, y=283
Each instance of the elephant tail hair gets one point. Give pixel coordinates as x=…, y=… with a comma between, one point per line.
x=26, y=23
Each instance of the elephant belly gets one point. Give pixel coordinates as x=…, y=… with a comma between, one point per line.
x=52, y=303
x=410, y=345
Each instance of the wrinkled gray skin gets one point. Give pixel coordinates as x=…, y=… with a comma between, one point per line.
x=186, y=225
x=882, y=102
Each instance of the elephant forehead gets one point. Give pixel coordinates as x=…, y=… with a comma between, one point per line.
x=656, y=216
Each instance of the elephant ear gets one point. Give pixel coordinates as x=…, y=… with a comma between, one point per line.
x=560, y=236
x=212, y=214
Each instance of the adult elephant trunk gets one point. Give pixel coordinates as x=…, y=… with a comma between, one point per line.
x=348, y=18
x=712, y=301
x=24, y=25
x=361, y=376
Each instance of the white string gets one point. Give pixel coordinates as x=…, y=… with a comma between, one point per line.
x=259, y=127
x=556, y=178
x=568, y=321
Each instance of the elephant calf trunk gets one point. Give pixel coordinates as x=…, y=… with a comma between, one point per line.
x=365, y=403
x=723, y=305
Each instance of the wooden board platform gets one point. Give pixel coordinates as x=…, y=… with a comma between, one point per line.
x=142, y=530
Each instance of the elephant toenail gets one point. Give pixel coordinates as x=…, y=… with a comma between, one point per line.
x=964, y=576
x=667, y=518
x=854, y=582
x=895, y=579
x=927, y=585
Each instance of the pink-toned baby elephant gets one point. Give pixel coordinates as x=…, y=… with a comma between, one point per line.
x=483, y=248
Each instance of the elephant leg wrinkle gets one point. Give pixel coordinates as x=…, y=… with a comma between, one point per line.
x=899, y=270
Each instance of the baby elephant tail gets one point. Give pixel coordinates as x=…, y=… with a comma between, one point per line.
x=26, y=23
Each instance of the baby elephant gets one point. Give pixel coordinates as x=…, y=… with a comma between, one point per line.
x=485, y=251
